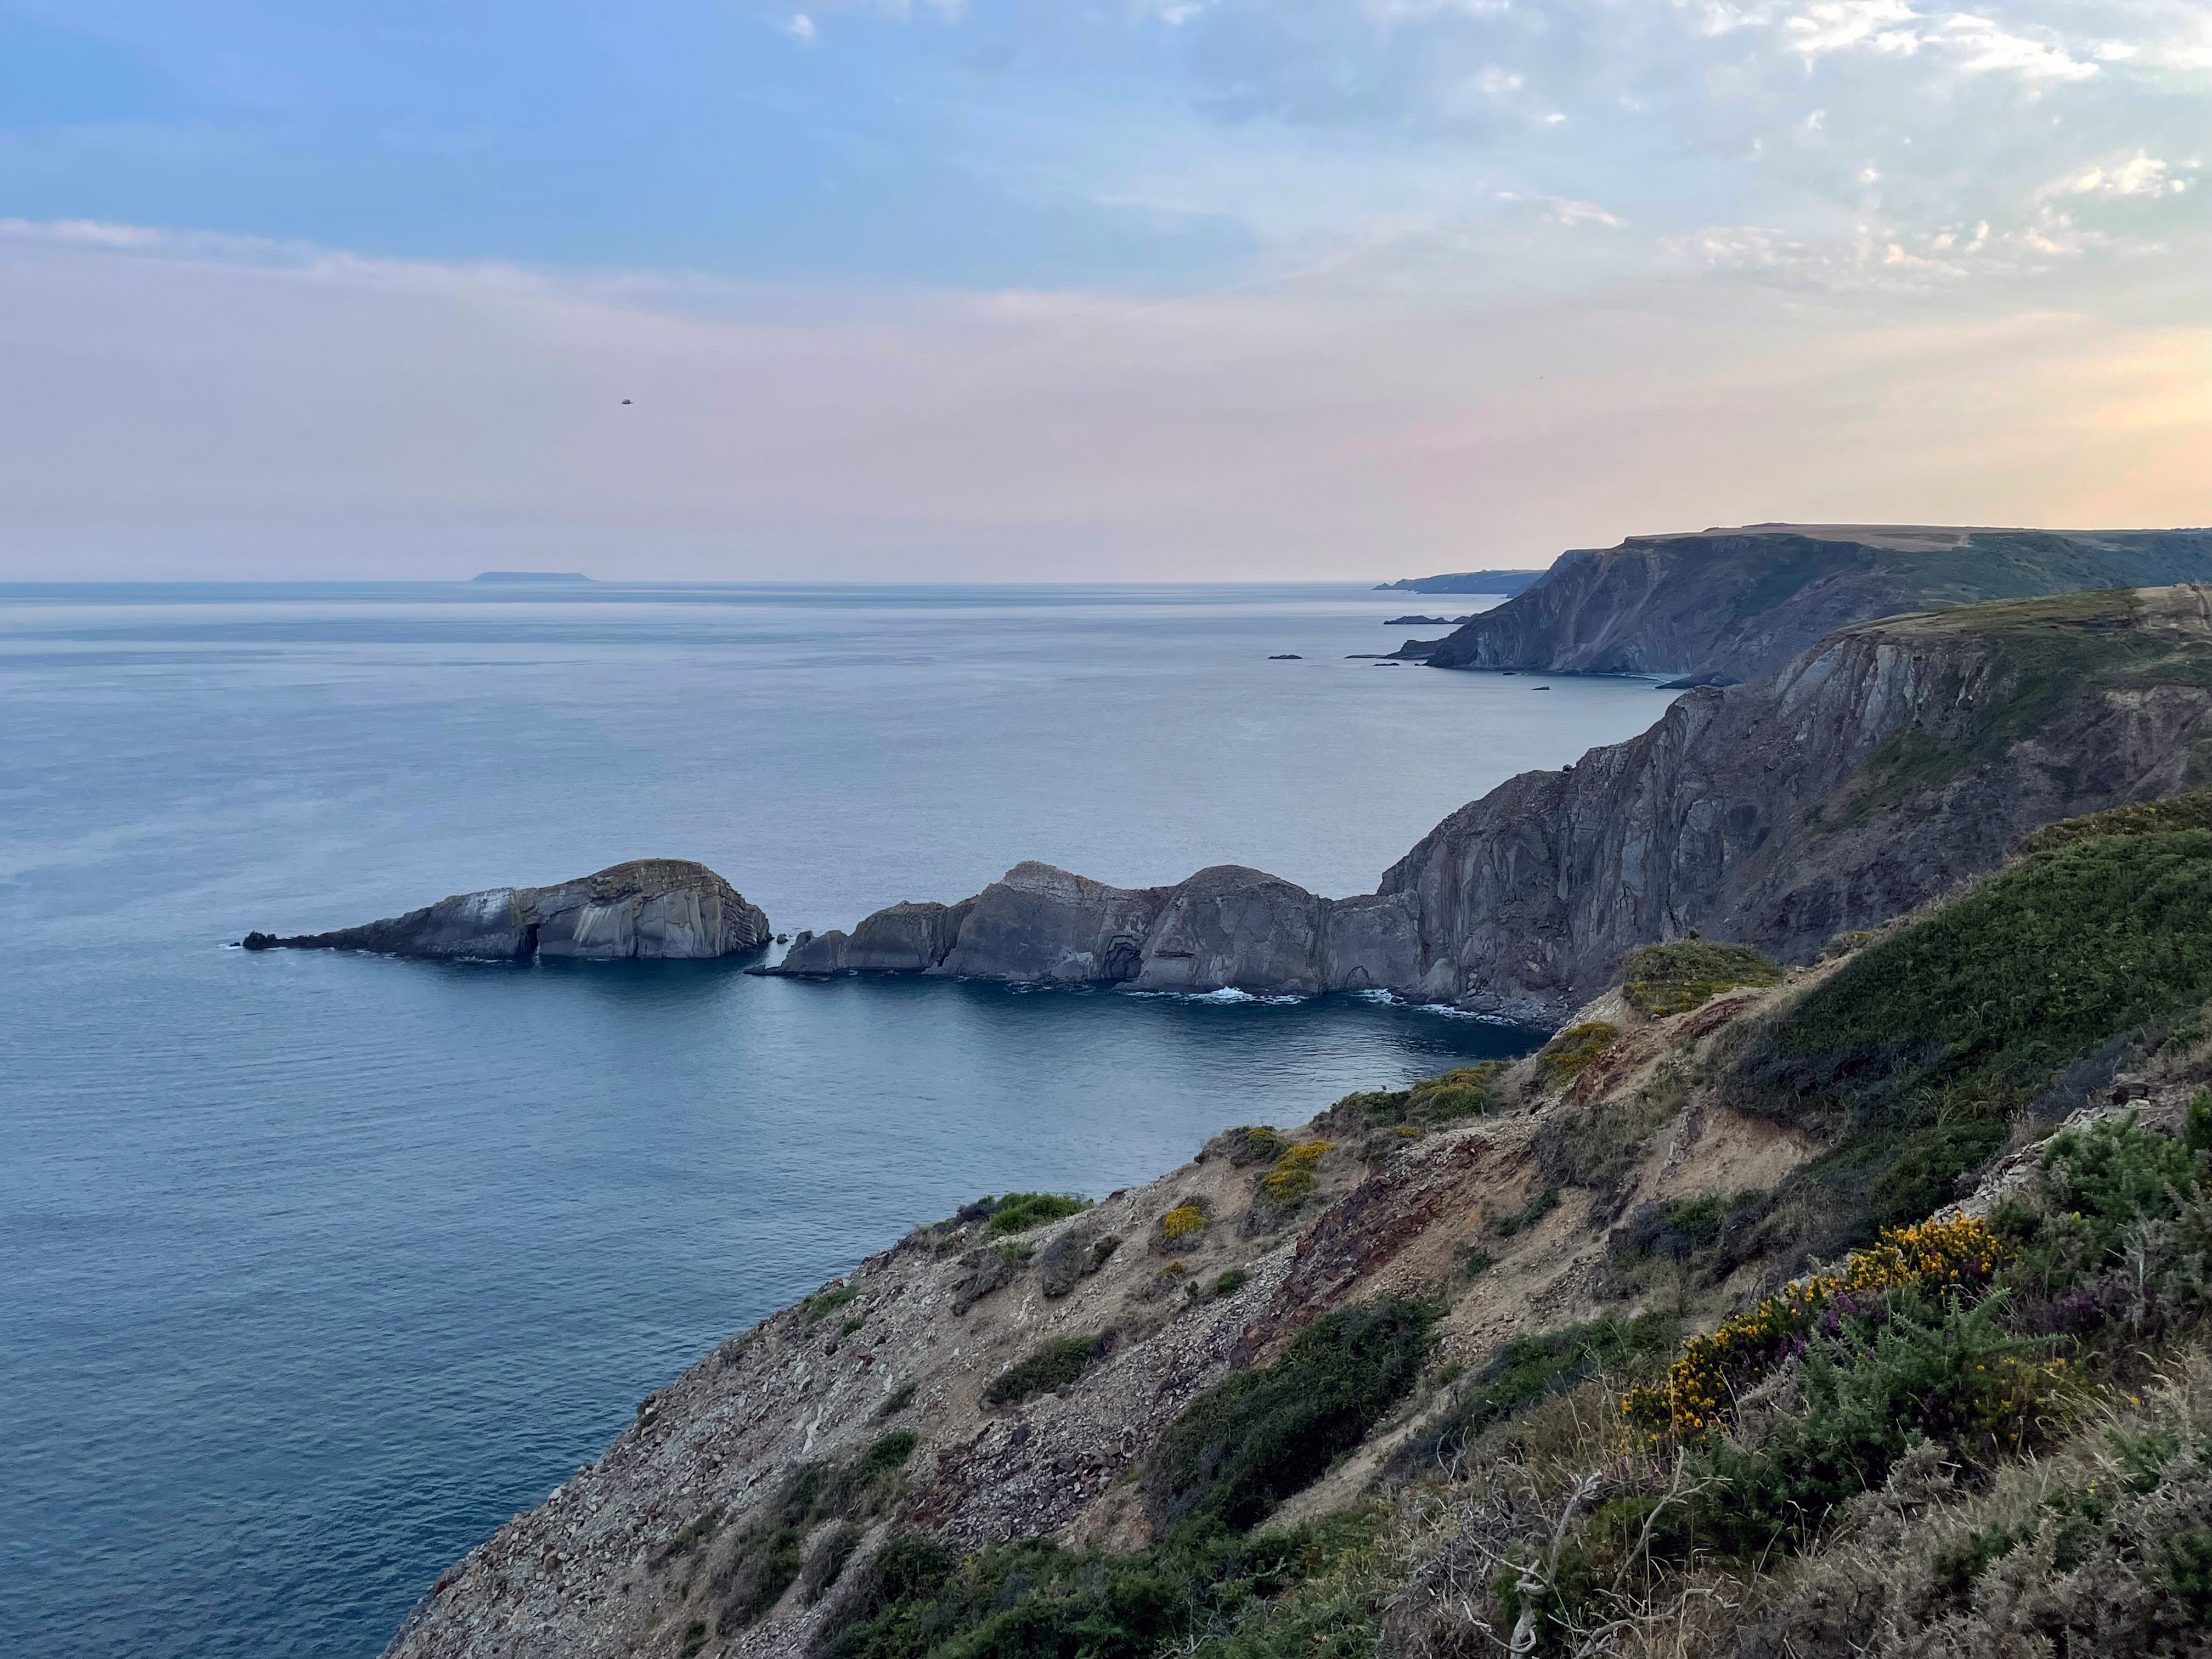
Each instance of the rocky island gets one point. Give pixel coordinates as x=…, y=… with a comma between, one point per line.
x=646, y=908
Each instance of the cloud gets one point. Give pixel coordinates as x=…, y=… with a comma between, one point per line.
x=1840, y=25
x=308, y=411
x=1985, y=48
x=801, y=29
x=2140, y=174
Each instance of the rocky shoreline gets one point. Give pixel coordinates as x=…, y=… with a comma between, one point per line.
x=1894, y=759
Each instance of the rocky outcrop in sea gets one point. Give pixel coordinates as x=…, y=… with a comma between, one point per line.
x=647, y=908
x=1892, y=761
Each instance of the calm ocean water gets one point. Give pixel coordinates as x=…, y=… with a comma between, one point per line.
x=315, y=1268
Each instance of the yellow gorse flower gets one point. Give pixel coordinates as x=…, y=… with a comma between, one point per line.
x=1932, y=1255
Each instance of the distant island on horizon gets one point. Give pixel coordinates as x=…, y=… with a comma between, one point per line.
x=530, y=576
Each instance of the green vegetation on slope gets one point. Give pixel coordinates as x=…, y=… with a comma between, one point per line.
x=1921, y=1047
x=1659, y=979
x=1468, y=1091
x=762, y=1561
x=1309, y=1592
x=1051, y=1364
x=1238, y=1451
x=1258, y=1436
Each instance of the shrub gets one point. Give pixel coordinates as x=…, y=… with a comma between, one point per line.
x=1528, y=1371
x=1674, y=978
x=827, y=1563
x=768, y=1556
x=1954, y=1376
x=2193, y=810
x=1566, y=1057
x=1529, y=1214
x=1179, y=1225
x=1231, y=1282
x=820, y=1306
x=1315, y=1591
x=1258, y=1436
x=1047, y=1367
x=897, y=1401
x=1250, y=1143
x=1291, y=1180
x=1466, y=1091
x=1939, y=1256
x=1017, y=1212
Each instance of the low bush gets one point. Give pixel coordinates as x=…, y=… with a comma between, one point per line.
x=2193, y=810
x=1958, y=1255
x=1179, y=1225
x=1291, y=1180
x=1017, y=1212
x=1248, y=1143
x=1659, y=979
x=768, y=1555
x=897, y=1401
x=1527, y=1371
x=1260, y=1435
x=1571, y=1052
x=1529, y=1214
x=820, y=1306
x=1310, y=1592
x=1046, y=1367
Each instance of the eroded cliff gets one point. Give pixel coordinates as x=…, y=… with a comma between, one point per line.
x=1310, y=1392
x=1737, y=605
x=1894, y=759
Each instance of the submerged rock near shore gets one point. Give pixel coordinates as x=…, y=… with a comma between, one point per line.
x=647, y=907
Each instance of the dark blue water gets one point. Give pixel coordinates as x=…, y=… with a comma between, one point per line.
x=314, y=1268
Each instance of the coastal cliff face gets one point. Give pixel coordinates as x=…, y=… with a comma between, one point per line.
x=988, y=1423
x=647, y=908
x=653, y=1549
x=1895, y=759
x=1737, y=605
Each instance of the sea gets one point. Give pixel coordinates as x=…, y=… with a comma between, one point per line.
x=314, y=1268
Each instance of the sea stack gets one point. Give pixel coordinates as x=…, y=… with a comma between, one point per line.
x=645, y=908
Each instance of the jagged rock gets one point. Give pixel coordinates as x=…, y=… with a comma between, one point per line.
x=647, y=908
x=1894, y=759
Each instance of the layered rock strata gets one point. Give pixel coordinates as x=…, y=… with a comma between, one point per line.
x=1894, y=759
x=1736, y=605
x=647, y=908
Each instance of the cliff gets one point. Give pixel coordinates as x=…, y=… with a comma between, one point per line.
x=647, y=908
x=1311, y=1391
x=1736, y=605
x=1894, y=759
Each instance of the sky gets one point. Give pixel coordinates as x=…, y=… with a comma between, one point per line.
x=1050, y=289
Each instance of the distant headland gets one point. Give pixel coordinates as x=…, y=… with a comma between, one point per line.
x=530, y=576
x=1508, y=582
